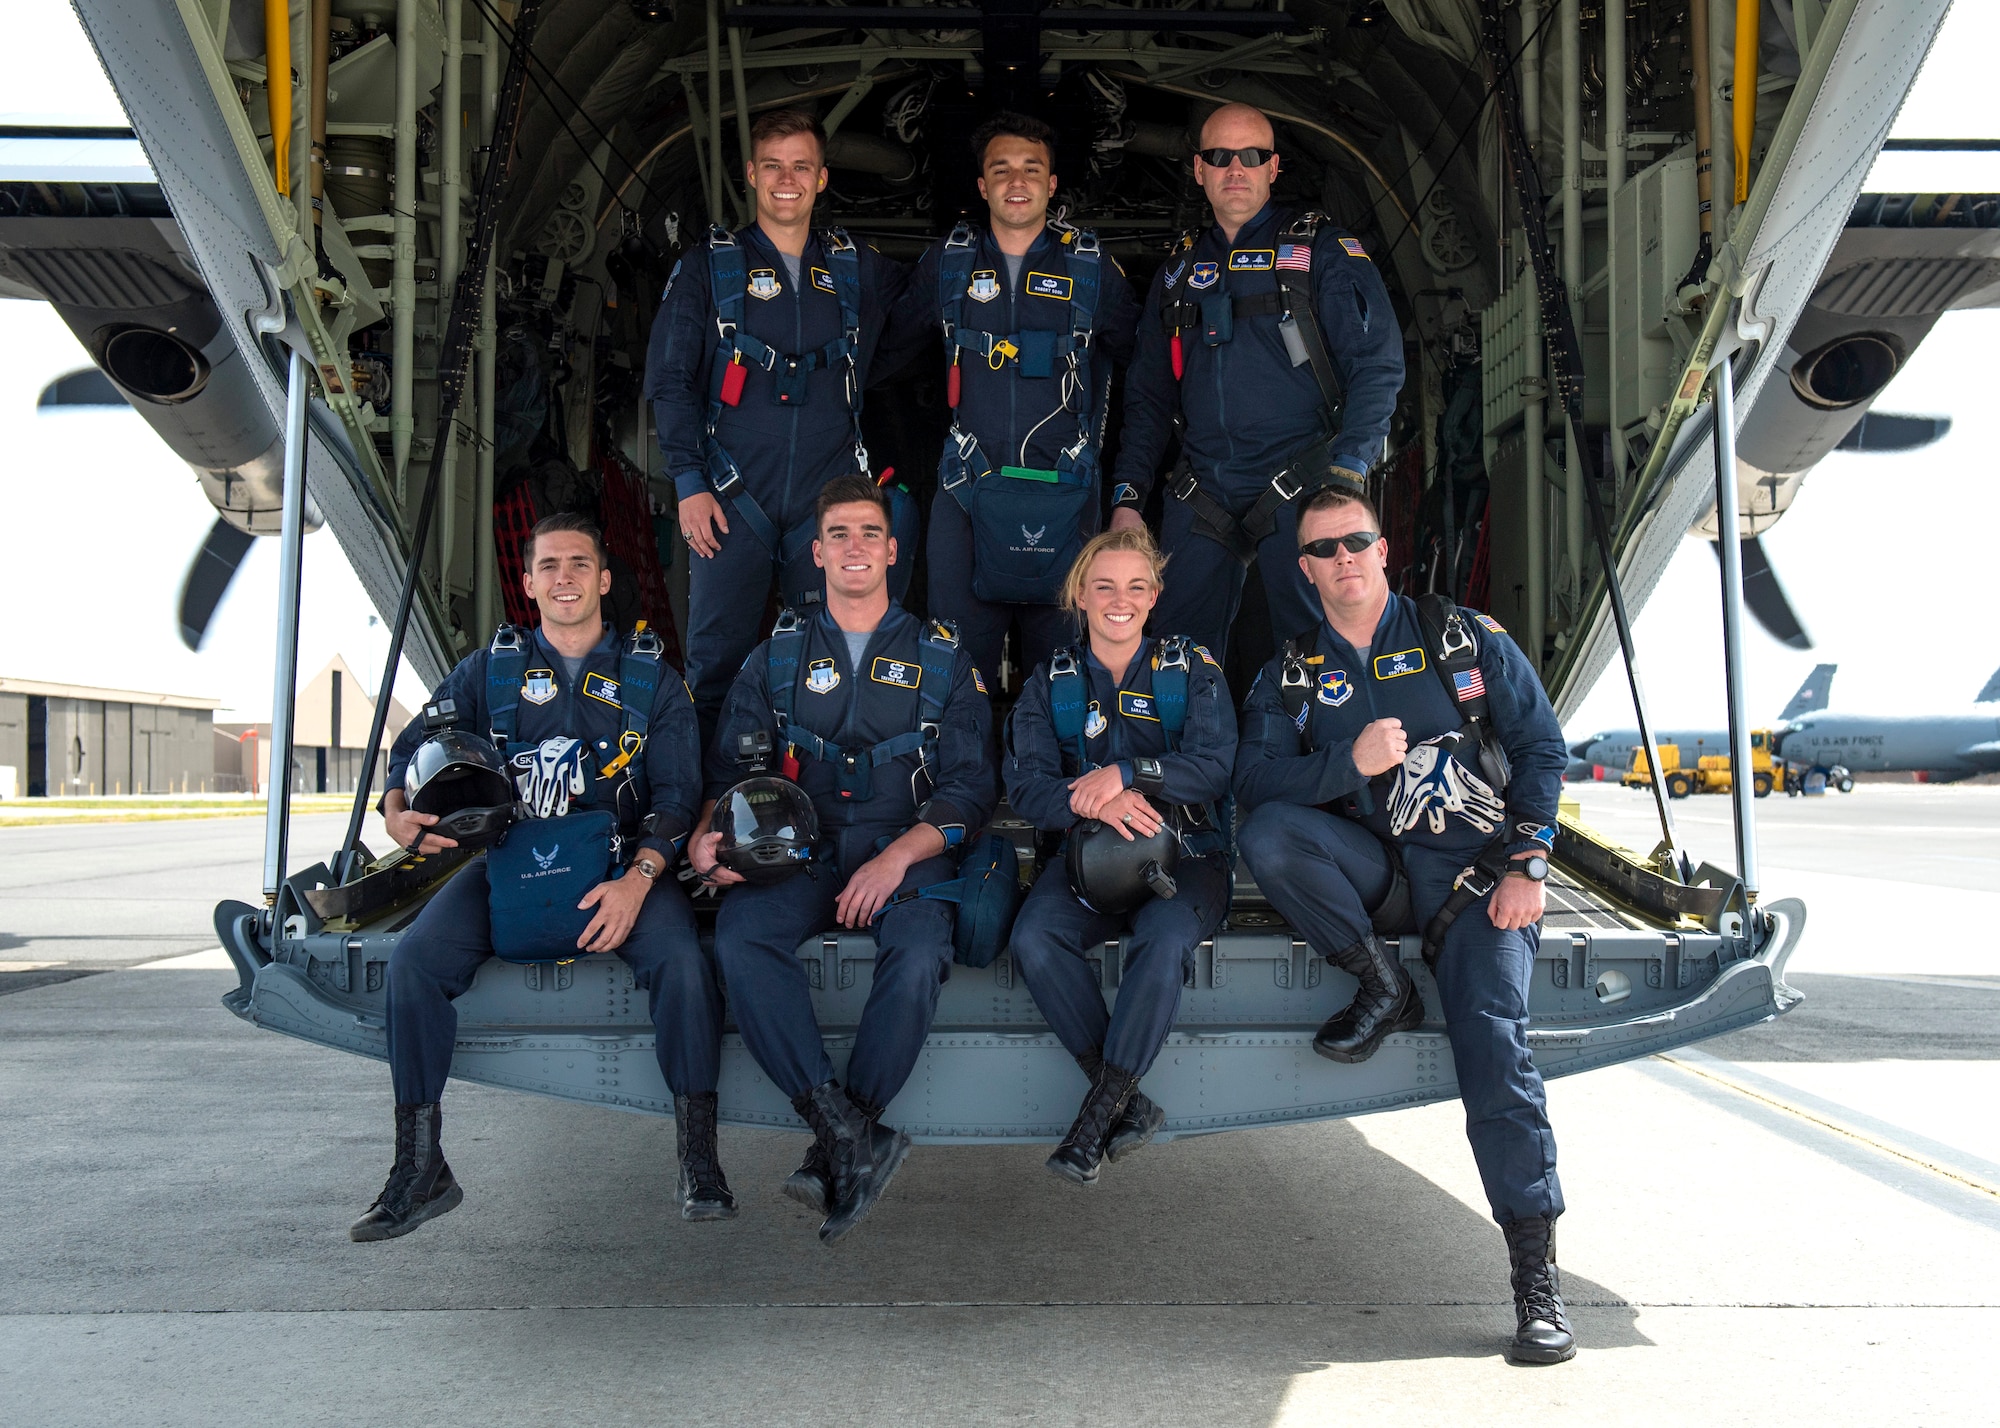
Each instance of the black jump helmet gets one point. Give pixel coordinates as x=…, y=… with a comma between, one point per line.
x=1110, y=873
x=463, y=780
x=768, y=829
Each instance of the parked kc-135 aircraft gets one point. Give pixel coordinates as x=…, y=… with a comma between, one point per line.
x=1609, y=755
x=1941, y=747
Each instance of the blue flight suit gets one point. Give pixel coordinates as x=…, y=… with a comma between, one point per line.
x=437, y=955
x=1249, y=413
x=787, y=450
x=1314, y=839
x=760, y=927
x=1017, y=417
x=1054, y=929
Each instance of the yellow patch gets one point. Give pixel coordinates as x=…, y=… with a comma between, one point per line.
x=602, y=689
x=1402, y=662
x=901, y=673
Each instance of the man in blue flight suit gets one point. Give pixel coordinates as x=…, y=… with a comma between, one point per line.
x=755, y=370
x=571, y=682
x=1269, y=340
x=886, y=723
x=1034, y=316
x=1401, y=766
x=1133, y=721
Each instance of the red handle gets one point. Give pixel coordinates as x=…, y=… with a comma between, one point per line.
x=732, y=382
x=1174, y=347
x=951, y=386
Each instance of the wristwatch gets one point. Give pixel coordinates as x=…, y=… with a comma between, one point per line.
x=646, y=868
x=1534, y=867
x=1147, y=775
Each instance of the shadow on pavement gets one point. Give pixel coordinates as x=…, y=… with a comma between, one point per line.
x=1875, y=1019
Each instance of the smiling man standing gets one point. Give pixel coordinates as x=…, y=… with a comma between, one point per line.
x=1270, y=336
x=1034, y=316
x=758, y=357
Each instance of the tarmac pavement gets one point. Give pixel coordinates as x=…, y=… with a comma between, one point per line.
x=1797, y=1223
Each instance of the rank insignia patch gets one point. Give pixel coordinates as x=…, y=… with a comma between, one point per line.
x=601, y=688
x=822, y=677
x=1335, y=689
x=764, y=283
x=538, y=686
x=896, y=672
x=1048, y=285
x=1402, y=662
x=1204, y=275
x=985, y=286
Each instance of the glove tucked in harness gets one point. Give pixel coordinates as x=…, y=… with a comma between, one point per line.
x=1028, y=524
x=1306, y=470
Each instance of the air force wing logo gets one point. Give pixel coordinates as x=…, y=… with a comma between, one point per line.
x=985, y=286
x=1173, y=274
x=538, y=686
x=822, y=677
x=1335, y=688
x=547, y=860
x=1432, y=787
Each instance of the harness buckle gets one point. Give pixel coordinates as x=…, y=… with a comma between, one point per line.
x=1173, y=654
x=647, y=643
x=1456, y=638
x=1063, y=664
x=508, y=640
x=1185, y=485
x=1287, y=485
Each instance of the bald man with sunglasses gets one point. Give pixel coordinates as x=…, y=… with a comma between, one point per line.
x=1269, y=339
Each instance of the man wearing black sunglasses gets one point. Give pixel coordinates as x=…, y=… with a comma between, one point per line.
x=1397, y=770
x=1268, y=338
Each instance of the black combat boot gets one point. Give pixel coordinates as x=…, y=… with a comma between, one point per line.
x=865, y=1156
x=704, y=1193
x=812, y=1183
x=1137, y=1124
x=1541, y=1333
x=1081, y=1153
x=1385, y=1001
x=420, y=1185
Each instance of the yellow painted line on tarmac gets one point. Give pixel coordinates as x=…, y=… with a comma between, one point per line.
x=1876, y=1143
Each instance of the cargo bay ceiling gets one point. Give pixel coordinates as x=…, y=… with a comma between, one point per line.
x=635, y=115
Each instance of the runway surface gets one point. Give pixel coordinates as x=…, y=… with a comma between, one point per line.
x=1797, y=1223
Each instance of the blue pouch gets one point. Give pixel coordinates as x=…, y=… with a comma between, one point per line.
x=1027, y=533
x=537, y=874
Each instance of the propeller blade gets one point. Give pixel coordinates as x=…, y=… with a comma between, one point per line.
x=1890, y=431
x=208, y=578
x=1765, y=595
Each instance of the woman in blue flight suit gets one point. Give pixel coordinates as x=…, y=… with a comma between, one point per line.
x=1133, y=747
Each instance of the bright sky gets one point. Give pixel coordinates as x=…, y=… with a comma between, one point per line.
x=102, y=513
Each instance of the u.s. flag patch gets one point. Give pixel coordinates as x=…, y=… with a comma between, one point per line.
x=1470, y=683
x=1297, y=257
x=1353, y=248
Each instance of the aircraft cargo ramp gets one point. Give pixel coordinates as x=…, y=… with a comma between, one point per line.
x=1611, y=983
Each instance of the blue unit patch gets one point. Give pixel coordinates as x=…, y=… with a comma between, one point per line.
x=1095, y=723
x=1048, y=285
x=1402, y=662
x=1253, y=260
x=602, y=689
x=822, y=676
x=823, y=280
x=1335, y=688
x=896, y=672
x=538, y=686
x=763, y=283
x=1204, y=275
x=1137, y=706
x=985, y=286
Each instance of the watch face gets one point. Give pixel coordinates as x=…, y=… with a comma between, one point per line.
x=1536, y=868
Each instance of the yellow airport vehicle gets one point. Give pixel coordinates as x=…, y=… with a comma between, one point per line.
x=1712, y=773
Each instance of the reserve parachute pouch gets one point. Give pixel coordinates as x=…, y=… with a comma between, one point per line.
x=1036, y=351
x=988, y=893
x=1027, y=529
x=537, y=874
x=1218, y=319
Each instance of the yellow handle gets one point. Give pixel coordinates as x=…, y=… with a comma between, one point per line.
x=278, y=88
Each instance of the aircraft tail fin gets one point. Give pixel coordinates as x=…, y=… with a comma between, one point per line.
x=1991, y=693
x=1815, y=692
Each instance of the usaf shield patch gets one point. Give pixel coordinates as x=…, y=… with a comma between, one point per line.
x=822, y=677
x=1095, y=724
x=1335, y=689
x=764, y=283
x=1204, y=275
x=985, y=286
x=538, y=686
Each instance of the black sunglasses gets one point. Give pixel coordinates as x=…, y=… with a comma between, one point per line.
x=1252, y=158
x=1326, y=547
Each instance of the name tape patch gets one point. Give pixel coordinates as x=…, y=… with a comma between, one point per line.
x=1048, y=285
x=1137, y=706
x=1253, y=260
x=897, y=672
x=1402, y=662
x=600, y=688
